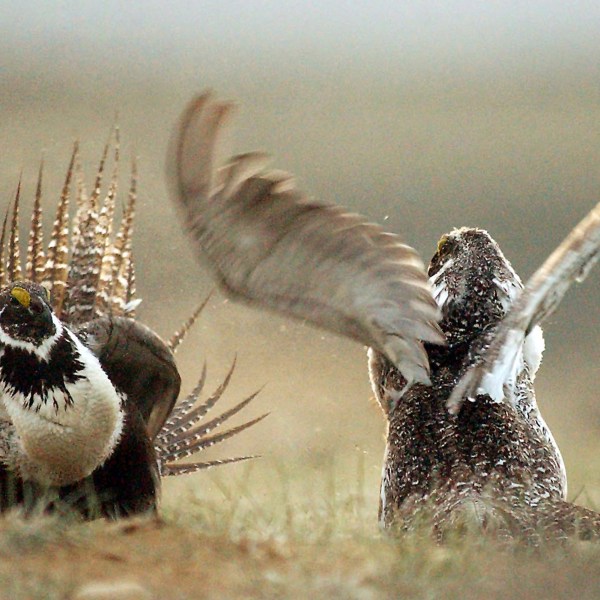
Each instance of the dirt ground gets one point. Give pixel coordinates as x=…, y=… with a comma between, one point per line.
x=188, y=560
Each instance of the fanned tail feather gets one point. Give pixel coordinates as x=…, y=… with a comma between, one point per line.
x=180, y=436
x=57, y=267
x=122, y=274
x=200, y=431
x=36, y=257
x=99, y=176
x=81, y=199
x=103, y=237
x=14, y=259
x=131, y=302
x=194, y=442
x=91, y=274
x=179, y=415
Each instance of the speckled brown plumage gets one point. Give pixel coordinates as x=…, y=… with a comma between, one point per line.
x=490, y=456
x=493, y=464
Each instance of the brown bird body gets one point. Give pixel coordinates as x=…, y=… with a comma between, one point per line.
x=492, y=457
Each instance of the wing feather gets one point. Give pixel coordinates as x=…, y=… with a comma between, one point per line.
x=138, y=363
x=270, y=246
x=570, y=262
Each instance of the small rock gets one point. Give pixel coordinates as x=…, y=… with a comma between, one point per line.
x=112, y=590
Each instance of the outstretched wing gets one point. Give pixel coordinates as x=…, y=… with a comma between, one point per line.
x=570, y=262
x=268, y=245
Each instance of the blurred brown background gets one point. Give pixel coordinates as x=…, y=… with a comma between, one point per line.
x=423, y=116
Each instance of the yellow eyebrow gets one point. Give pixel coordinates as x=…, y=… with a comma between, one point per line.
x=22, y=296
x=442, y=242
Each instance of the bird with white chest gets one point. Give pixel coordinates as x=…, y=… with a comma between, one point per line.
x=90, y=420
x=58, y=405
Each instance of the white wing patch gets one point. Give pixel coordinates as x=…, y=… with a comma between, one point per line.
x=439, y=289
x=517, y=355
x=497, y=382
x=533, y=349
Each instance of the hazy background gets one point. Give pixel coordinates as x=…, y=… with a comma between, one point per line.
x=421, y=115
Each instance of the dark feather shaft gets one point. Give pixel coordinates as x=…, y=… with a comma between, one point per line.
x=170, y=469
x=193, y=445
x=181, y=333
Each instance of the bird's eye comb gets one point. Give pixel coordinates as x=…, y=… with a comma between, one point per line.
x=21, y=295
x=442, y=243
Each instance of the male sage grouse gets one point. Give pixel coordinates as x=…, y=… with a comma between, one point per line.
x=89, y=418
x=466, y=329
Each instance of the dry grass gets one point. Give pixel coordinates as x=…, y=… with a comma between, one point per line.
x=231, y=544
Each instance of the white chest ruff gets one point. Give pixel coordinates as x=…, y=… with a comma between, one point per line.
x=63, y=439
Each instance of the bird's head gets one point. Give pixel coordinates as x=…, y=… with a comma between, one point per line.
x=25, y=313
x=474, y=285
x=471, y=278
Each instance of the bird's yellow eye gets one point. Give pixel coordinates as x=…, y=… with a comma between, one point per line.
x=22, y=296
x=443, y=241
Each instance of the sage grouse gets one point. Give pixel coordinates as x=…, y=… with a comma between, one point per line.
x=467, y=328
x=89, y=418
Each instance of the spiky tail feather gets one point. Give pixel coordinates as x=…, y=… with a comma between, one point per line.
x=101, y=279
x=182, y=436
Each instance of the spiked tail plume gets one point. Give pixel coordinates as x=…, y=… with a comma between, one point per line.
x=36, y=257
x=14, y=254
x=57, y=267
x=3, y=273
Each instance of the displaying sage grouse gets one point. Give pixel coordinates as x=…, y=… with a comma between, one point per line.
x=467, y=328
x=89, y=418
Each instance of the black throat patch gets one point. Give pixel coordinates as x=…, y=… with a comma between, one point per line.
x=22, y=372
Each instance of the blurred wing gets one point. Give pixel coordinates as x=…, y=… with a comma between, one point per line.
x=269, y=246
x=138, y=363
x=570, y=262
